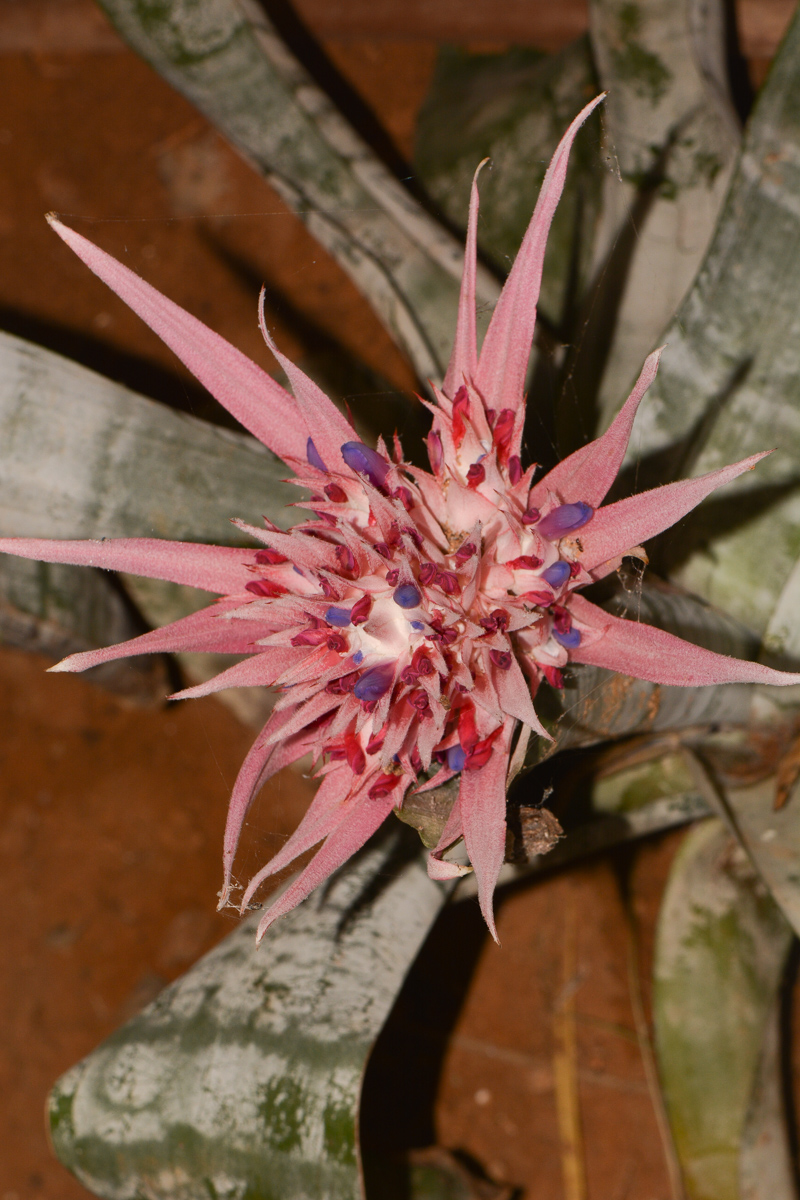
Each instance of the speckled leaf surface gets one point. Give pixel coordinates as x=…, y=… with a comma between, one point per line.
x=771, y=838
x=766, y=1171
x=729, y=379
x=57, y=610
x=85, y=457
x=227, y=59
x=242, y=1079
x=670, y=141
x=720, y=954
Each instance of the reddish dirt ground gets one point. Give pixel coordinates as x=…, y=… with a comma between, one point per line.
x=111, y=816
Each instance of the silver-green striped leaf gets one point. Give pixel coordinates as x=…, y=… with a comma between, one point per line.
x=243, y=1078
x=729, y=381
x=227, y=58
x=719, y=959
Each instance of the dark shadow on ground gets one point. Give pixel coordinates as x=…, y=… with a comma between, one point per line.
x=403, y=1071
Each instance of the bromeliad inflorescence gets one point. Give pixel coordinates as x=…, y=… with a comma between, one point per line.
x=409, y=623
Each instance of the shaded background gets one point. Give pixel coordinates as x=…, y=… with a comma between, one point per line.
x=111, y=816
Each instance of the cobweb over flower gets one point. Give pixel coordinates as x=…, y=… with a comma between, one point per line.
x=407, y=624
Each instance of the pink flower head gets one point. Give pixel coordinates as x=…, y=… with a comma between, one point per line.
x=410, y=621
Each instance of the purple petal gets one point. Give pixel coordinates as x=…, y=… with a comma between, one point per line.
x=565, y=519
x=456, y=757
x=338, y=616
x=557, y=573
x=365, y=461
x=375, y=683
x=313, y=456
x=407, y=595
x=569, y=638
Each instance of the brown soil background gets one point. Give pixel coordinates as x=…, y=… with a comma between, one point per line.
x=111, y=817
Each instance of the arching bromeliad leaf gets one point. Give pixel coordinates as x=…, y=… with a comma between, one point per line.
x=243, y=1077
x=720, y=954
x=771, y=837
x=729, y=379
x=228, y=60
x=671, y=136
x=85, y=457
x=58, y=610
x=766, y=1171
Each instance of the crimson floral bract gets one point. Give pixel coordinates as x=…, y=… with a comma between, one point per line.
x=409, y=623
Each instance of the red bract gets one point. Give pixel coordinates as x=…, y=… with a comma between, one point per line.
x=454, y=593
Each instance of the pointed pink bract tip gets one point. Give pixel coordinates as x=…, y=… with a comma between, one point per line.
x=490, y=925
x=442, y=869
x=60, y=667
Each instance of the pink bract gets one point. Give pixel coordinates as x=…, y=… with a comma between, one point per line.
x=409, y=623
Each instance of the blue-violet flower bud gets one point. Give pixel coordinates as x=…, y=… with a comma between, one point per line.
x=313, y=456
x=565, y=519
x=366, y=461
x=557, y=573
x=375, y=683
x=407, y=595
x=456, y=757
x=570, y=638
x=338, y=616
